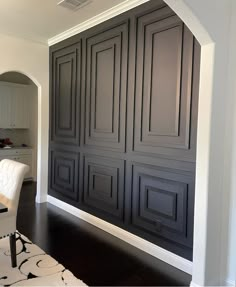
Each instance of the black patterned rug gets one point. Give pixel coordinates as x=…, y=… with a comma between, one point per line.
x=34, y=267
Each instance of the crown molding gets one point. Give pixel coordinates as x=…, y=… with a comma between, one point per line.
x=106, y=15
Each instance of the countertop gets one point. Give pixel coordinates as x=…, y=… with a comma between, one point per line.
x=15, y=147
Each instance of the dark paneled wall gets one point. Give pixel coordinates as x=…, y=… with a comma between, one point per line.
x=123, y=112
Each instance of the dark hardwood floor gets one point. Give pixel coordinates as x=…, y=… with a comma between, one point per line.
x=93, y=255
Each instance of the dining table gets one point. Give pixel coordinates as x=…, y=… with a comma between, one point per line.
x=3, y=208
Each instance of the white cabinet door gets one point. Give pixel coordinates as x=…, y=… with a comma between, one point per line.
x=20, y=108
x=5, y=107
x=14, y=106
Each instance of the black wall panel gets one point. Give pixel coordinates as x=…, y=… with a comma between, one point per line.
x=162, y=202
x=123, y=113
x=65, y=94
x=104, y=185
x=106, y=80
x=163, y=85
x=64, y=173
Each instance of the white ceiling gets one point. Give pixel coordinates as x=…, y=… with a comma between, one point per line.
x=40, y=20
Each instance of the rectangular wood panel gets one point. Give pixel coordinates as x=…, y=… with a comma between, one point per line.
x=163, y=85
x=162, y=202
x=65, y=101
x=64, y=173
x=104, y=185
x=106, y=79
x=165, y=61
x=104, y=97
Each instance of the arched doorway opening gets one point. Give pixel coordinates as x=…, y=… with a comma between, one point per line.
x=207, y=252
x=19, y=125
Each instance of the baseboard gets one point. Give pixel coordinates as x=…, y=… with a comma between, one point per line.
x=226, y=282
x=146, y=246
x=230, y=282
x=192, y=284
x=41, y=199
x=28, y=179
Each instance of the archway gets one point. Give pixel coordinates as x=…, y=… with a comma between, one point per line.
x=207, y=255
x=207, y=221
x=211, y=32
x=19, y=77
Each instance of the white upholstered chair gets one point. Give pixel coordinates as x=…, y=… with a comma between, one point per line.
x=11, y=177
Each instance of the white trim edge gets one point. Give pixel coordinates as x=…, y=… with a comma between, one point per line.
x=230, y=282
x=144, y=245
x=192, y=284
x=226, y=282
x=108, y=14
x=41, y=199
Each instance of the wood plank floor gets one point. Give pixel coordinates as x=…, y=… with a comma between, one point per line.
x=93, y=255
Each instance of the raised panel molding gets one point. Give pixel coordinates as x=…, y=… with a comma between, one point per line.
x=106, y=81
x=162, y=61
x=163, y=84
x=65, y=90
x=123, y=103
x=104, y=185
x=65, y=173
x=162, y=203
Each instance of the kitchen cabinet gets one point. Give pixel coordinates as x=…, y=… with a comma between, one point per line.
x=14, y=106
x=20, y=155
x=5, y=107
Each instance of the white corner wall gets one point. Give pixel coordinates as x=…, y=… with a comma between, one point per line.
x=32, y=59
x=33, y=130
x=214, y=238
x=229, y=202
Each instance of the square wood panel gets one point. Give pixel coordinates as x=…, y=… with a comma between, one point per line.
x=163, y=84
x=106, y=81
x=65, y=173
x=162, y=202
x=65, y=90
x=104, y=185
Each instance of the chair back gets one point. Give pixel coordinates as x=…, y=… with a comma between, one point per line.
x=11, y=177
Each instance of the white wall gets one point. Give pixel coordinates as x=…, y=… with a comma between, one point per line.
x=214, y=238
x=32, y=59
x=33, y=130
x=229, y=226
x=215, y=16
